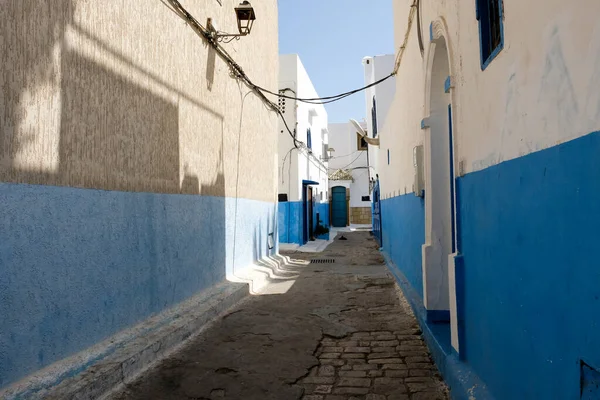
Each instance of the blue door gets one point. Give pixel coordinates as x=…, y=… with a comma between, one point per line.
x=339, y=210
x=376, y=212
x=452, y=195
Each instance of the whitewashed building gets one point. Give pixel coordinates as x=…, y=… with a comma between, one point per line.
x=378, y=100
x=349, y=176
x=490, y=194
x=303, y=212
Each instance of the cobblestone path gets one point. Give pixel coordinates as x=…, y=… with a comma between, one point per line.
x=343, y=331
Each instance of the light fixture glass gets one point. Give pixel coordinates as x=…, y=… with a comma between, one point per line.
x=245, y=17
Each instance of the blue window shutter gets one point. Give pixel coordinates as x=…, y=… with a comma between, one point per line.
x=374, y=117
x=491, y=29
x=309, y=138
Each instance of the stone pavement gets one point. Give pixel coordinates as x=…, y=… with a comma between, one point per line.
x=342, y=332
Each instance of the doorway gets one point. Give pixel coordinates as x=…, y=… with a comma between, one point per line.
x=440, y=221
x=307, y=211
x=377, y=232
x=339, y=210
x=310, y=211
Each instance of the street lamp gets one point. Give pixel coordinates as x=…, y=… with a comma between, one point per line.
x=245, y=19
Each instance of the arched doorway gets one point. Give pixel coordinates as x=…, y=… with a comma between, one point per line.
x=440, y=207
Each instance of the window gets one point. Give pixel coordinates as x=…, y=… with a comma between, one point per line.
x=282, y=197
x=366, y=198
x=374, y=117
x=361, y=143
x=309, y=139
x=491, y=30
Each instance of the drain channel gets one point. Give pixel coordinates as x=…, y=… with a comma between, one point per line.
x=323, y=261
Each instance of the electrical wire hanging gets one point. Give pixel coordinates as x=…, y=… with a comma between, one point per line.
x=346, y=166
x=326, y=99
x=331, y=99
x=346, y=155
x=235, y=69
x=239, y=73
x=411, y=17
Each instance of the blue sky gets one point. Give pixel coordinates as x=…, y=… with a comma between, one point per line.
x=332, y=37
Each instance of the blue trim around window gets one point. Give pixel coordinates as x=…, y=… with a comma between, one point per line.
x=483, y=16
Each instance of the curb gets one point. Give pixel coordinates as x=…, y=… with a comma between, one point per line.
x=463, y=382
x=103, y=369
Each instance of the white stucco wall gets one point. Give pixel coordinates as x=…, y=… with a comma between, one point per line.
x=300, y=164
x=84, y=82
x=342, y=137
x=376, y=68
x=538, y=92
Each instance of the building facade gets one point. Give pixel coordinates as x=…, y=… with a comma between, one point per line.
x=378, y=100
x=350, y=176
x=303, y=212
x=489, y=197
x=136, y=172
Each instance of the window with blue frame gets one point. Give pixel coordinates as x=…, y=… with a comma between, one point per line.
x=309, y=139
x=374, y=117
x=491, y=30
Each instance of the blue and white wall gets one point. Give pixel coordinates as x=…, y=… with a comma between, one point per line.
x=130, y=182
x=521, y=288
x=303, y=163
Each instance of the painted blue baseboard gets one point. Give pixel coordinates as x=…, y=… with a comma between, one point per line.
x=80, y=265
x=530, y=235
x=403, y=233
x=435, y=316
x=527, y=277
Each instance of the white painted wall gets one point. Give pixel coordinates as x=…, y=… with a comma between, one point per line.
x=539, y=91
x=376, y=68
x=342, y=138
x=296, y=165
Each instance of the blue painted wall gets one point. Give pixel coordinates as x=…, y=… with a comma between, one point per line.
x=323, y=210
x=530, y=239
x=403, y=231
x=79, y=265
x=289, y=217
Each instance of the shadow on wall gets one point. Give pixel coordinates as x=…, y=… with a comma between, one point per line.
x=30, y=31
x=114, y=134
x=78, y=266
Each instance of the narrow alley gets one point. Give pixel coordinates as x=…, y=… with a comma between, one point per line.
x=339, y=333
x=311, y=200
